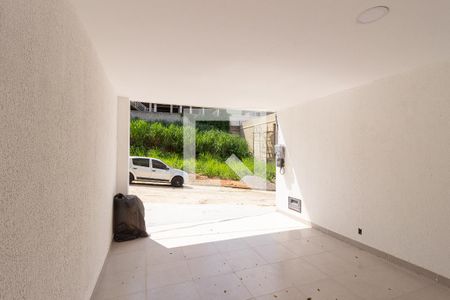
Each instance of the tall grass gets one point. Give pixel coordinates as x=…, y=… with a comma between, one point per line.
x=156, y=135
x=169, y=138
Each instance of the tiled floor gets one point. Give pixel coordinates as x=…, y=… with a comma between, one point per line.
x=259, y=256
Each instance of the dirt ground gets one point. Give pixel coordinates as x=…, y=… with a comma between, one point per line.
x=203, y=180
x=201, y=194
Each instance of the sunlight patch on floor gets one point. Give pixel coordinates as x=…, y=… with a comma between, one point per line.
x=191, y=233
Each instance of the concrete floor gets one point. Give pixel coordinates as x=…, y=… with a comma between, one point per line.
x=194, y=205
x=201, y=194
x=227, y=250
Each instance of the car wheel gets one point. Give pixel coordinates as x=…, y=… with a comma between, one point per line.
x=177, y=181
x=131, y=178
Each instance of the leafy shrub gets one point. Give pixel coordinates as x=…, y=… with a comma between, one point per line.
x=139, y=132
x=209, y=125
x=221, y=144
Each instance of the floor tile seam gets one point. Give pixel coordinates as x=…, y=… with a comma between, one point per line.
x=169, y=285
x=246, y=287
x=292, y=286
x=335, y=281
x=279, y=244
x=203, y=256
x=107, y=278
x=256, y=252
x=415, y=291
x=140, y=290
x=243, y=284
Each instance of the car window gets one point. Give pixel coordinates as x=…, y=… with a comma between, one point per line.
x=142, y=162
x=158, y=165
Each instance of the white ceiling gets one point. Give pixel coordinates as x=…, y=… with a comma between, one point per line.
x=258, y=54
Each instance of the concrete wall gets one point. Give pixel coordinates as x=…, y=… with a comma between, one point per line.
x=57, y=154
x=158, y=116
x=376, y=157
x=260, y=131
x=123, y=144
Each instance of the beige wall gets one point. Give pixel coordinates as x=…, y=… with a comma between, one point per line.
x=123, y=144
x=57, y=154
x=260, y=131
x=377, y=157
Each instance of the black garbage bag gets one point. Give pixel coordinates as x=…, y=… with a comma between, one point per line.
x=129, y=222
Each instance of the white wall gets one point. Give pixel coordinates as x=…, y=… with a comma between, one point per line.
x=123, y=144
x=57, y=154
x=377, y=157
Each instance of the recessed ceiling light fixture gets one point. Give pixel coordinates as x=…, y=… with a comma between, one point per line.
x=372, y=14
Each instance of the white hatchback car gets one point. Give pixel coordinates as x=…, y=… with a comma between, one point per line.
x=154, y=170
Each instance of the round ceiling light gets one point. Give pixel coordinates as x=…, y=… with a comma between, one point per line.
x=372, y=14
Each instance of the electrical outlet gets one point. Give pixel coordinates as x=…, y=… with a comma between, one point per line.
x=359, y=231
x=295, y=204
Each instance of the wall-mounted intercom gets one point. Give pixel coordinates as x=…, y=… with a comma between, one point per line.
x=280, y=155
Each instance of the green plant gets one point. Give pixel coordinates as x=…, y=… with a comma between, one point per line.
x=169, y=137
x=208, y=125
x=139, y=132
x=221, y=144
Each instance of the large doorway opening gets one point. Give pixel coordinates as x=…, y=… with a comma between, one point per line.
x=224, y=161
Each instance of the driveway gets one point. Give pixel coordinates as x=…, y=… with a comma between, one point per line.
x=201, y=194
x=196, y=205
